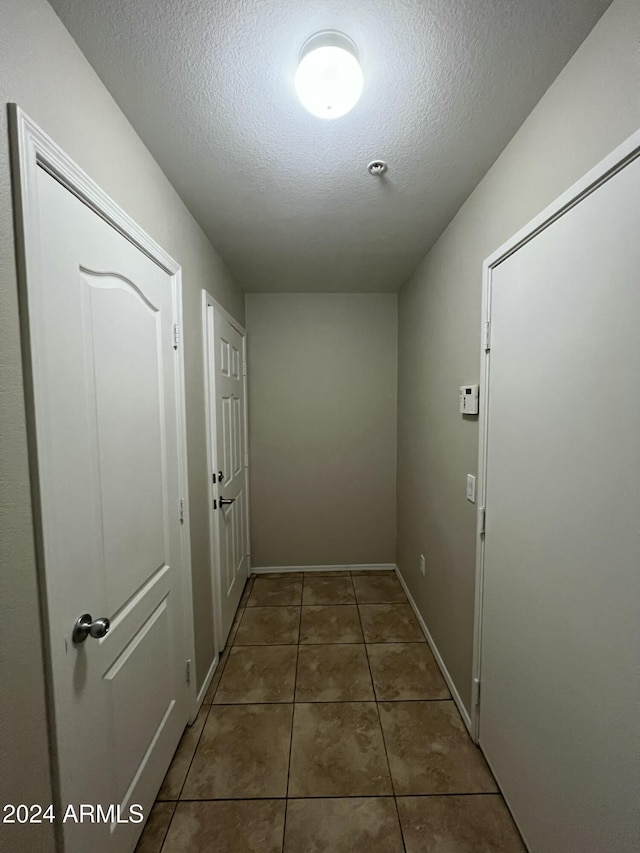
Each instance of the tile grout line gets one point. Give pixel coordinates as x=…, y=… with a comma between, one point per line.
x=324, y=701
x=224, y=666
x=184, y=781
x=340, y=797
x=359, y=643
x=294, y=703
x=293, y=713
x=321, y=604
x=243, y=607
x=178, y=800
x=166, y=832
x=384, y=742
x=227, y=656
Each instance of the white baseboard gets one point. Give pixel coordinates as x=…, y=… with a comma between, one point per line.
x=443, y=669
x=205, y=686
x=364, y=567
x=376, y=567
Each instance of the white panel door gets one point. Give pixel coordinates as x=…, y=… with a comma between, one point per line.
x=105, y=379
x=229, y=477
x=560, y=698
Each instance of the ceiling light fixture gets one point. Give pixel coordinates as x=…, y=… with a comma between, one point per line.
x=329, y=79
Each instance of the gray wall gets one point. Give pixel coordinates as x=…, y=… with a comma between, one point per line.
x=44, y=72
x=322, y=414
x=592, y=107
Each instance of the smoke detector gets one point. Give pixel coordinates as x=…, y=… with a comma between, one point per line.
x=377, y=167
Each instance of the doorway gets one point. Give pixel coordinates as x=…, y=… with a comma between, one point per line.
x=228, y=459
x=100, y=303
x=557, y=646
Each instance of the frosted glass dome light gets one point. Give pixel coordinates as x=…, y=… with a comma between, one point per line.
x=329, y=79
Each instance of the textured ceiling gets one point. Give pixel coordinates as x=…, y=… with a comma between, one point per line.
x=286, y=197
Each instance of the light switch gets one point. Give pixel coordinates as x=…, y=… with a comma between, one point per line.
x=471, y=488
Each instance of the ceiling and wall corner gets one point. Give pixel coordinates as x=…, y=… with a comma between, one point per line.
x=285, y=197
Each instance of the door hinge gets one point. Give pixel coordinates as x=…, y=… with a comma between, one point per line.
x=475, y=698
x=483, y=519
x=176, y=336
x=188, y=671
x=181, y=510
x=215, y=504
x=487, y=336
x=244, y=368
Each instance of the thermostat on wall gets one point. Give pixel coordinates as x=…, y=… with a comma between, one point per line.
x=469, y=399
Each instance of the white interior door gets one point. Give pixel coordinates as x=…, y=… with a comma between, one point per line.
x=560, y=698
x=227, y=372
x=105, y=402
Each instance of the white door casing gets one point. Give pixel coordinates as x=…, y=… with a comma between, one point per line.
x=558, y=589
x=225, y=355
x=107, y=450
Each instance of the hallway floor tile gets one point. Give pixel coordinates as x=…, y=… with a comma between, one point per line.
x=328, y=590
x=243, y=753
x=405, y=671
x=430, y=751
x=233, y=826
x=260, y=626
x=343, y=825
x=328, y=728
x=268, y=592
x=337, y=751
x=337, y=624
x=379, y=590
x=390, y=623
x=258, y=674
x=479, y=824
x=333, y=673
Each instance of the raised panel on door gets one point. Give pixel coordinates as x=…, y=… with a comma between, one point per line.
x=139, y=715
x=124, y=336
x=560, y=698
x=237, y=438
x=106, y=424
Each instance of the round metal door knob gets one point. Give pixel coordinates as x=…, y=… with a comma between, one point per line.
x=86, y=626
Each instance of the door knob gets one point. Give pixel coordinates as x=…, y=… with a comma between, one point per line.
x=86, y=626
x=220, y=476
x=226, y=501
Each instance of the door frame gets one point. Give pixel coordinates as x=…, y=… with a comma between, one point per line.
x=616, y=161
x=208, y=302
x=32, y=149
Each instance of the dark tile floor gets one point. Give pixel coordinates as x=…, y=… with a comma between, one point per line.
x=328, y=729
